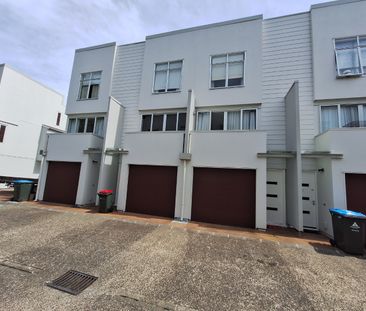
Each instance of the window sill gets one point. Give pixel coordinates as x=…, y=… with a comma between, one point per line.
x=67, y=133
x=86, y=99
x=168, y=92
x=226, y=87
x=162, y=131
x=224, y=131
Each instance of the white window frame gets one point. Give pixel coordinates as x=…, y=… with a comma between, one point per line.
x=256, y=119
x=77, y=125
x=167, y=77
x=204, y=111
x=227, y=70
x=164, y=121
x=363, y=73
x=151, y=120
x=85, y=125
x=178, y=121
x=225, y=119
x=80, y=85
x=360, y=108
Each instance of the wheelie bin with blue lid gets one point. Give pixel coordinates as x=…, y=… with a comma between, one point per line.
x=348, y=230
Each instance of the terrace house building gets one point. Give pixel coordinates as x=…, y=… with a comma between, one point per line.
x=250, y=122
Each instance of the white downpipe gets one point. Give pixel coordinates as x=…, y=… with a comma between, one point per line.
x=183, y=190
x=187, y=148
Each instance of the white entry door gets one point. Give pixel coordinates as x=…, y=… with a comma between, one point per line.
x=309, y=201
x=276, y=205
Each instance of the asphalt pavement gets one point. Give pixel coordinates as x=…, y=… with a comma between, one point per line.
x=159, y=267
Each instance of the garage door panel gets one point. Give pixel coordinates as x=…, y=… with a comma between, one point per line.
x=62, y=182
x=356, y=192
x=224, y=196
x=151, y=190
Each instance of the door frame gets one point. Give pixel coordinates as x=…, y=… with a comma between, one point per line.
x=46, y=179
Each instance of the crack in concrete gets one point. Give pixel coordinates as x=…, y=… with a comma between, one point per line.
x=19, y=266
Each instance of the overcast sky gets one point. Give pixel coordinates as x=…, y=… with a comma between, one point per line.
x=38, y=37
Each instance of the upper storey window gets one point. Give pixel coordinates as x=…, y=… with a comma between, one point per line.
x=350, y=56
x=244, y=119
x=86, y=125
x=227, y=70
x=164, y=122
x=89, y=85
x=167, y=77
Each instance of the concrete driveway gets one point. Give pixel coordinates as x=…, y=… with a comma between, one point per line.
x=161, y=267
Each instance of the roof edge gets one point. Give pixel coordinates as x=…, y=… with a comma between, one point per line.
x=95, y=47
x=133, y=43
x=219, y=24
x=5, y=65
x=332, y=3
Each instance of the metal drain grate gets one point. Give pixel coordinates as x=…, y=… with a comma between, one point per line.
x=73, y=282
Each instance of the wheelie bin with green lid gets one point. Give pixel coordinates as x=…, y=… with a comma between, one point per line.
x=22, y=189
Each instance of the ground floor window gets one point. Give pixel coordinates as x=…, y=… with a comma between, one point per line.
x=337, y=116
x=244, y=119
x=86, y=125
x=174, y=121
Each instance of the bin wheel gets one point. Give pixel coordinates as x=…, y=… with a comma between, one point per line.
x=332, y=242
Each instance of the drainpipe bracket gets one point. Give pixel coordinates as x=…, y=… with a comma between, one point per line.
x=181, y=220
x=113, y=151
x=185, y=156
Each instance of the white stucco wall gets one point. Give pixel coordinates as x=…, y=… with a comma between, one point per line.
x=155, y=148
x=232, y=150
x=294, y=216
x=88, y=180
x=195, y=48
x=209, y=149
x=69, y=148
x=98, y=58
x=25, y=106
x=351, y=142
x=109, y=167
x=330, y=22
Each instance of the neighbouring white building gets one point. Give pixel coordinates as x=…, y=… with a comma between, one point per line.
x=250, y=122
x=28, y=112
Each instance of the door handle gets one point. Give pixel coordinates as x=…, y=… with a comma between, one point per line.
x=313, y=202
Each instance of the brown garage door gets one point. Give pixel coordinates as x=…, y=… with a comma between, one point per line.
x=356, y=192
x=62, y=182
x=151, y=190
x=224, y=196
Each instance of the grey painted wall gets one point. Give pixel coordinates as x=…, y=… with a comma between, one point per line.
x=286, y=58
x=126, y=83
